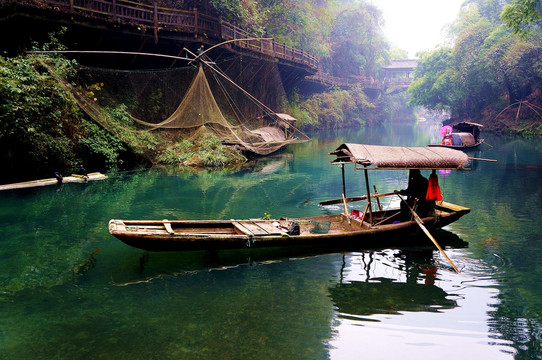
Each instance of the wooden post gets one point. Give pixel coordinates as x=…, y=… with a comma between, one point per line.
x=113, y=8
x=71, y=5
x=196, y=21
x=344, y=186
x=368, y=194
x=155, y=18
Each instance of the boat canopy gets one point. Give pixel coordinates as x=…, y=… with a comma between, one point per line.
x=467, y=123
x=399, y=157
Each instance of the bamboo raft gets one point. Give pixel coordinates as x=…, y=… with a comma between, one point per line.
x=52, y=181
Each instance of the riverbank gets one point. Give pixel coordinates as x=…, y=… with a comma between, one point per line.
x=521, y=118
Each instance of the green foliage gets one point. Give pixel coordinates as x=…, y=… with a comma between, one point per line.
x=122, y=126
x=37, y=117
x=178, y=153
x=98, y=142
x=486, y=66
x=358, y=44
x=398, y=54
x=248, y=14
x=206, y=151
x=333, y=109
x=489, y=9
x=520, y=14
x=430, y=87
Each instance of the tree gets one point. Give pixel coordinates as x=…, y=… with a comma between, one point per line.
x=428, y=89
x=520, y=14
x=358, y=46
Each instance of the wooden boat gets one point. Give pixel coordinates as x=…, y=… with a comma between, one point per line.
x=465, y=135
x=370, y=228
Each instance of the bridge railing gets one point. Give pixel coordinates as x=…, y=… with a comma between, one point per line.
x=365, y=82
x=188, y=21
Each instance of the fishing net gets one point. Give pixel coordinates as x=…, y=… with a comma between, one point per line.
x=320, y=227
x=194, y=100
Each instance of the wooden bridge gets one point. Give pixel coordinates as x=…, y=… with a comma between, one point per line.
x=196, y=27
x=397, y=76
x=167, y=22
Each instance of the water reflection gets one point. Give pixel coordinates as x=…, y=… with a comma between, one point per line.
x=63, y=298
x=139, y=267
x=405, y=301
x=386, y=296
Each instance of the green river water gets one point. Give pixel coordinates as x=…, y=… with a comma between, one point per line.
x=69, y=290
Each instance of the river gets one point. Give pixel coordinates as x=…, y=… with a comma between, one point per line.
x=69, y=290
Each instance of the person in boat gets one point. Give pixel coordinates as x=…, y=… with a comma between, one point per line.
x=447, y=138
x=59, y=178
x=83, y=172
x=415, y=192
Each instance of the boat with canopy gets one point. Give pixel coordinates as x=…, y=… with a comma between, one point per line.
x=462, y=136
x=373, y=227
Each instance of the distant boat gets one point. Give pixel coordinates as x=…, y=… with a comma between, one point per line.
x=463, y=135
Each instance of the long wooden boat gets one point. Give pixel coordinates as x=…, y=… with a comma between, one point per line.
x=371, y=228
x=465, y=136
x=337, y=230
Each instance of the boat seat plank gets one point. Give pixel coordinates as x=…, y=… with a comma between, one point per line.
x=261, y=228
x=451, y=206
x=168, y=227
x=255, y=229
x=242, y=228
x=272, y=230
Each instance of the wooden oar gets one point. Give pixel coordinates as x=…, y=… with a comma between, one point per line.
x=351, y=198
x=420, y=223
x=345, y=207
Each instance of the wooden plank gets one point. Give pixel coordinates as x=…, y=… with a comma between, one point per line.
x=451, y=206
x=271, y=230
x=168, y=227
x=242, y=228
x=255, y=229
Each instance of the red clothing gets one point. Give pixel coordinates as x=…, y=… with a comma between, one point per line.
x=447, y=139
x=433, y=189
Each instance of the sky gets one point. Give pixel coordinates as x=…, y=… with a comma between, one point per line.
x=416, y=25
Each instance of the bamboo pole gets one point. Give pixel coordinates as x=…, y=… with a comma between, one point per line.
x=353, y=198
x=480, y=159
x=344, y=183
x=345, y=207
x=368, y=195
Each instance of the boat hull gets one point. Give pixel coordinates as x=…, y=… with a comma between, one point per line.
x=458, y=147
x=330, y=230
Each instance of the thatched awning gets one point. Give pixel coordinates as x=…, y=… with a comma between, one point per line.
x=286, y=117
x=399, y=157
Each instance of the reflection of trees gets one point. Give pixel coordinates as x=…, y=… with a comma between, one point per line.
x=518, y=319
x=503, y=229
x=51, y=237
